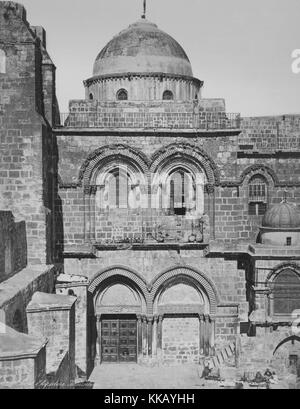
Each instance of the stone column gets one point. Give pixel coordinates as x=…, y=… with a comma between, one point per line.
x=139, y=336
x=154, y=338
x=93, y=214
x=206, y=336
x=201, y=349
x=159, y=336
x=210, y=189
x=144, y=336
x=149, y=322
x=86, y=200
x=99, y=343
x=212, y=335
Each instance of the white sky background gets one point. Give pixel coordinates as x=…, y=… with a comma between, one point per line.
x=241, y=49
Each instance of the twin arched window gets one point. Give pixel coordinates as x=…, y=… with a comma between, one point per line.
x=257, y=196
x=122, y=95
x=286, y=292
x=2, y=62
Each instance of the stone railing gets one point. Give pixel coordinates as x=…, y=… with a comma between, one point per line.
x=145, y=119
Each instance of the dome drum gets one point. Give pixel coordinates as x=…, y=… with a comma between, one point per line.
x=143, y=87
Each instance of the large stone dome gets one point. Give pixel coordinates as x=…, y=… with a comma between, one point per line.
x=142, y=48
x=282, y=216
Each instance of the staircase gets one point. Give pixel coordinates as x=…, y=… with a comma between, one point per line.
x=220, y=358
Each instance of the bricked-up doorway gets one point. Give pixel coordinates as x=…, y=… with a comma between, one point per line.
x=118, y=338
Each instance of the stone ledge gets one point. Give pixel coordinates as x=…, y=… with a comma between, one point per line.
x=10, y=288
x=15, y=345
x=50, y=302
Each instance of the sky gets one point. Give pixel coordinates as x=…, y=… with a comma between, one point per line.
x=241, y=49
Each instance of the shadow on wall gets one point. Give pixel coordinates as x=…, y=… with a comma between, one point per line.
x=13, y=245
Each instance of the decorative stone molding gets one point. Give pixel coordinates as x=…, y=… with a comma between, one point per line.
x=187, y=152
x=190, y=273
x=114, y=151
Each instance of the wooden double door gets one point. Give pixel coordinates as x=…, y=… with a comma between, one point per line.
x=118, y=339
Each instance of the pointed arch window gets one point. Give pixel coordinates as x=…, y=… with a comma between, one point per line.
x=116, y=186
x=2, y=62
x=182, y=192
x=286, y=292
x=257, y=196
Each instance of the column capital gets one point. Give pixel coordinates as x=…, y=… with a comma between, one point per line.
x=150, y=319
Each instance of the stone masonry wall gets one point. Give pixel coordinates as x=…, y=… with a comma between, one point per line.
x=25, y=137
x=180, y=340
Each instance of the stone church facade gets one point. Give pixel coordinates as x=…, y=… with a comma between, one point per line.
x=174, y=223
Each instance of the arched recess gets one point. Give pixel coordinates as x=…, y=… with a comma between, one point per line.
x=284, y=297
x=202, y=170
x=185, y=302
x=262, y=170
x=286, y=356
x=189, y=275
x=110, y=161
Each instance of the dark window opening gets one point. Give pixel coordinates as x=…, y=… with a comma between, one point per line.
x=288, y=241
x=181, y=186
x=257, y=209
x=168, y=96
x=91, y=96
x=122, y=95
x=286, y=292
x=257, y=196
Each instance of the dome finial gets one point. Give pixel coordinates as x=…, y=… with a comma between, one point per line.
x=144, y=9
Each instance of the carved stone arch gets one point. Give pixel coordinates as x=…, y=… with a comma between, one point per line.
x=107, y=153
x=194, y=275
x=190, y=153
x=284, y=300
x=281, y=267
x=118, y=272
x=259, y=170
x=287, y=338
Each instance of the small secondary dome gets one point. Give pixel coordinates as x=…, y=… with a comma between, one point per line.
x=282, y=216
x=142, y=48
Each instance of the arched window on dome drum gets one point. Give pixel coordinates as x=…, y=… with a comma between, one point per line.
x=91, y=96
x=122, y=95
x=116, y=189
x=168, y=96
x=286, y=292
x=182, y=192
x=2, y=62
x=257, y=196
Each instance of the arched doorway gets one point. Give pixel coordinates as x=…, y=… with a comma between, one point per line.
x=119, y=304
x=286, y=357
